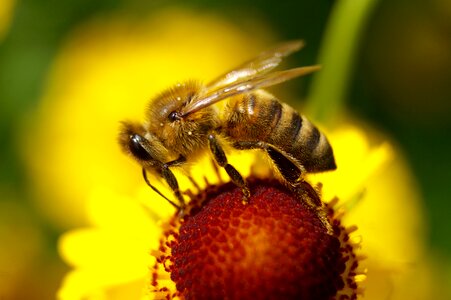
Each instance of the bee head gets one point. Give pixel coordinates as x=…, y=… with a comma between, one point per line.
x=143, y=146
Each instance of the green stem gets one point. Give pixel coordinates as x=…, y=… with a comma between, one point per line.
x=329, y=87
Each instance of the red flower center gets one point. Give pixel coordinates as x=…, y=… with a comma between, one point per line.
x=274, y=247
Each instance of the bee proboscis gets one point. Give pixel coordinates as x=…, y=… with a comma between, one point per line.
x=184, y=121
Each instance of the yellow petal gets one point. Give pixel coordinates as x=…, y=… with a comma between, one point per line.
x=116, y=254
x=356, y=160
x=107, y=209
x=390, y=216
x=92, y=285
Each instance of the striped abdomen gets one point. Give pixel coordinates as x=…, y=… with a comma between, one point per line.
x=258, y=116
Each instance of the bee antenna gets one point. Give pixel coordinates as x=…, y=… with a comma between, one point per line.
x=157, y=191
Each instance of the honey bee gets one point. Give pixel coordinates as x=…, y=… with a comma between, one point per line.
x=183, y=122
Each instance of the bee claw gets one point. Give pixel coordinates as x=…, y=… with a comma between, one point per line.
x=322, y=215
x=246, y=195
x=181, y=212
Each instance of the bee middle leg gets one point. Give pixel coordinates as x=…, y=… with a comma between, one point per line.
x=291, y=171
x=221, y=159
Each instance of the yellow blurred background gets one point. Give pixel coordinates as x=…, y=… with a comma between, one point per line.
x=71, y=70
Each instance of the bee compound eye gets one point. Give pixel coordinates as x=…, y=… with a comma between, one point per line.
x=173, y=116
x=137, y=149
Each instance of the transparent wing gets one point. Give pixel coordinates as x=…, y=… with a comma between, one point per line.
x=253, y=83
x=262, y=64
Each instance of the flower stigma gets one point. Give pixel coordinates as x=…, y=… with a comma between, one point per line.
x=273, y=247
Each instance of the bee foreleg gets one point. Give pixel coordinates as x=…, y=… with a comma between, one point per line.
x=157, y=191
x=177, y=163
x=221, y=159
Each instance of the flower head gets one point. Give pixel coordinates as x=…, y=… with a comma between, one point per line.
x=272, y=247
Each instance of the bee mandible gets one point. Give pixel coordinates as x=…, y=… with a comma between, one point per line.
x=183, y=122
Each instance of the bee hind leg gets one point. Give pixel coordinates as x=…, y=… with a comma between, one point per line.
x=291, y=172
x=221, y=159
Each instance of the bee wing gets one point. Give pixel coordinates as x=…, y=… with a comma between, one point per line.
x=246, y=86
x=262, y=64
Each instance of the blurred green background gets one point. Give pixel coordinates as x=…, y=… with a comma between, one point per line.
x=401, y=83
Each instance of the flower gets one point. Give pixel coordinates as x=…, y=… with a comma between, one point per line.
x=85, y=179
